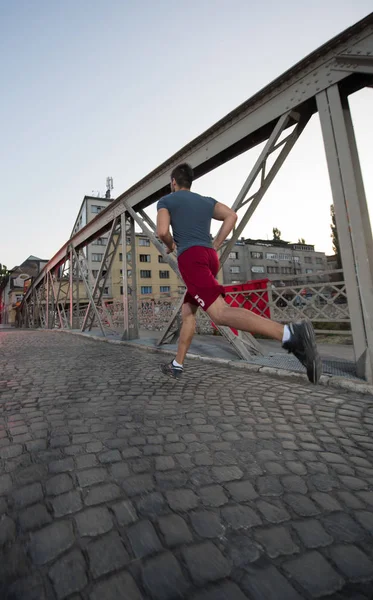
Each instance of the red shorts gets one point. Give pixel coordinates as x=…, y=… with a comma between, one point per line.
x=198, y=267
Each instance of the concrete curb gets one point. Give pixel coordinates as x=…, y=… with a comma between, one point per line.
x=325, y=380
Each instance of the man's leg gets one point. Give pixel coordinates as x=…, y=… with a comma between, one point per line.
x=298, y=338
x=188, y=313
x=244, y=320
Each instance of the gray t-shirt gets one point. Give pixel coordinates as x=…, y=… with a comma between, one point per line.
x=191, y=216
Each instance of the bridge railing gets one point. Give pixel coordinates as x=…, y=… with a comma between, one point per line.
x=320, y=298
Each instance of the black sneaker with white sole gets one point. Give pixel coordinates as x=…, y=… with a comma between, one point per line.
x=172, y=371
x=302, y=344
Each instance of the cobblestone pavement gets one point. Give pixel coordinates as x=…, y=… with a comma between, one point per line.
x=116, y=483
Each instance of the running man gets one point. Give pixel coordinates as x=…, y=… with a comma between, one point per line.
x=190, y=216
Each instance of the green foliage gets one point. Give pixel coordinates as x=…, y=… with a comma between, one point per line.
x=335, y=239
x=276, y=234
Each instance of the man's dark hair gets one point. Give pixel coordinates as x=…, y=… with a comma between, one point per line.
x=183, y=175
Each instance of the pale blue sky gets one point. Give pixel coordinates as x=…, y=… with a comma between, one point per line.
x=94, y=88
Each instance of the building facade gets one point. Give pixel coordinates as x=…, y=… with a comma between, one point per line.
x=264, y=259
x=155, y=278
x=94, y=252
x=12, y=290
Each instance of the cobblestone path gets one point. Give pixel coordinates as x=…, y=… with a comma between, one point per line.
x=116, y=483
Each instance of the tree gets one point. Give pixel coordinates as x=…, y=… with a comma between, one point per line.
x=276, y=234
x=335, y=239
x=4, y=273
x=301, y=241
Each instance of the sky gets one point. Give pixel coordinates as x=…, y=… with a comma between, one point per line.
x=98, y=88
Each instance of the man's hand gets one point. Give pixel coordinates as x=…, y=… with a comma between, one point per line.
x=163, y=230
x=171, y=250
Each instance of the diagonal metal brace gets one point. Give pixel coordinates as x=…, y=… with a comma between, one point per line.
x=246, y=340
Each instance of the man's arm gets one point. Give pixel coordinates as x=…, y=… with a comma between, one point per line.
x=229, y=218
x=163, y=229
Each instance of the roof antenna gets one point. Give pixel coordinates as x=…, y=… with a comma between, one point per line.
x=109, y=186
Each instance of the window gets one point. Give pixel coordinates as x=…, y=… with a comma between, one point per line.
x=121, y=272
x=298, y=270
x=165, y=289
x=181, y=289
x=307, y=248
x=164, y=274
x=145, y=257
x=97, y=257
x=309, y=271
x=234, y=269
x=161, y=259
x=319, y=261
x=233, y=255
x=106, y=290
x=257, y=269
x=284, y=256
x=286, y=270
x=296, y=258
x=101, y=241
x=308, y=259
x=256, y=255
x=95, y=273
x=273, y=270
x=144, y=242
x=129, y=256
x=128, y=240
x=96, y=209
x=129, y=273
x=145, y=274
x=121, y=290
x=271, y=255
x=146, y=289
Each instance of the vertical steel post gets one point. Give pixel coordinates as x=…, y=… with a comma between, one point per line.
x=71, y=287
x=352, y=221
x=47, y=310
x=124, y=276
x=88, y=290
x=77, y=295
x=134, y=330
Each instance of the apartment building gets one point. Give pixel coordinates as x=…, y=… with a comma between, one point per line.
x=271, y=259
x=14, y=286
x=94, y=252
x=154, y=276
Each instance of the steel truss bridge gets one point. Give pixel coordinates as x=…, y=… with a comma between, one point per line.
x=276, y=116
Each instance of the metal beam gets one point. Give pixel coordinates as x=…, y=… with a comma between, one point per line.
x=90, y=282
x=151, y=234
x=133, y=329
x=47, y=315
x=266, y=179
x=74, y=290
x=53, y=300
x=89, y=292
x=106, y=263
x=355, y=63
x=351, y=212
x=124, y=277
